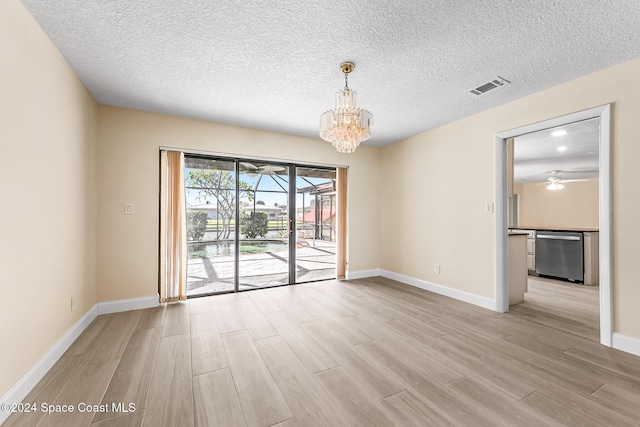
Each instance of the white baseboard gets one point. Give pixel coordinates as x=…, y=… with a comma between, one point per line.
x=625, y=343
x=28, y=381
x=352, y=275
x=128, y=304
x=474, y=299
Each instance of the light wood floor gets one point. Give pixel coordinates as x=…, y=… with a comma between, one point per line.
x=562, y=305
x=368, y=352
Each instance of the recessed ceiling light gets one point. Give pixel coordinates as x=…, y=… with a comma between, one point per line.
x=559, y=132
x=563, y=148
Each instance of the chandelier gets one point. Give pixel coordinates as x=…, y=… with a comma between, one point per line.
x=346, y=126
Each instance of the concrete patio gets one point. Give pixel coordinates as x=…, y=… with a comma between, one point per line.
x=315, y=261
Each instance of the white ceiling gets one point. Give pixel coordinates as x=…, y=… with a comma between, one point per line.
x=574, y=155
x=274, y=64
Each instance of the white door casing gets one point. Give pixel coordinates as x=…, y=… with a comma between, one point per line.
x=603, y=113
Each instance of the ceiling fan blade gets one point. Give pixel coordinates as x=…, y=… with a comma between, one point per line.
x=248, y=166
x=575, y=180
x=271, y=169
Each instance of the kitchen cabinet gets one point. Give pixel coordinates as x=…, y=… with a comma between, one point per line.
x=591, y=258
x=531, y=250
x=531, y=254
x=517, y=267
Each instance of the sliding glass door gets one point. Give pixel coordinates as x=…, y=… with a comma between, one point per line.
x=315, y=224
x=255, y=224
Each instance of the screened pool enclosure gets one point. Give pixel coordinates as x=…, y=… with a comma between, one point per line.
x=255, y=224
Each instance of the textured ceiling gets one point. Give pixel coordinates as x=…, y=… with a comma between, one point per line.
x=274, y=64
x=574, y=155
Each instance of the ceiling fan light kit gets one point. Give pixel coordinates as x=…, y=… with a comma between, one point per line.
x=555, y=186
x=346, y=126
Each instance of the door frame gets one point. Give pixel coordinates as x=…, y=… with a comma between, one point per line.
x=603, y=113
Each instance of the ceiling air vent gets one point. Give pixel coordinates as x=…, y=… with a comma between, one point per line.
x=499, y=81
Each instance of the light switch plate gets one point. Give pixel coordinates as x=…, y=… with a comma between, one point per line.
x=488, y=208
x=129, y=209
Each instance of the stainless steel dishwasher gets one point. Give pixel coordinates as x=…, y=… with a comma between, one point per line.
x=560, y=254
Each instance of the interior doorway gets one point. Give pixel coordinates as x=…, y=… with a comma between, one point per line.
x=254, y=224
x=553, y=199
x=602, y=114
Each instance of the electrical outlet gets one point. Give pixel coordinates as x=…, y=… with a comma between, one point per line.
x=436, y=268
x=129, y=209
x=488, y=208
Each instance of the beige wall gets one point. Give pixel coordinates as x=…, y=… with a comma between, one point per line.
x=574, y=206
x=424, y=204
x=434, y=187
x=49, y=204
x=128, y=171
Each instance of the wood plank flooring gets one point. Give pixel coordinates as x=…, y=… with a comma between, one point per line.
x=369, y=352
x=562, y=305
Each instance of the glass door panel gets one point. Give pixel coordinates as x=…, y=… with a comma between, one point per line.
x=210, y=186
x=264, y=225
x=315, y=224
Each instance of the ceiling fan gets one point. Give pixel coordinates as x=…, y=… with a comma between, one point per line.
x=555, y=182
x=253, y=170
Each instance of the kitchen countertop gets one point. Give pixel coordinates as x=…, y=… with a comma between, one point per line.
x=522, y=227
